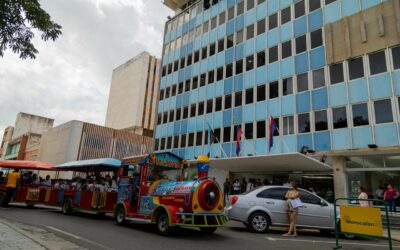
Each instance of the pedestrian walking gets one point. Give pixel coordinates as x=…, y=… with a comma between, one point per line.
x=236, y=187
x=250, y=185
x=11, y=185
x=363, y=195
x=390, y=196
x=227, y=186
x=293, y=203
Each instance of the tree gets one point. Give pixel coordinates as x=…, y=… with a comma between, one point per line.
x=17, y=20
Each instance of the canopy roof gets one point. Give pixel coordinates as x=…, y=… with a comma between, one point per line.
x=270, y=163
x=32, y=165
x=103, y=164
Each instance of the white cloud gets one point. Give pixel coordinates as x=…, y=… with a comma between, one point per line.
x=70, y=78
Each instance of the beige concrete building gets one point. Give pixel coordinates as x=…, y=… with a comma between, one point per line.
x=77, y=140
x=22, y=142
x=133, y=94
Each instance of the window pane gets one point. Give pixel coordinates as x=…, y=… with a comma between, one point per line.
x=228, y=70
x=222, y=18
x=261, y=93
x=356, y=68
x=249, y=63
x=336, y=72
x=213, y=23
x=304, y=123
x=287, y=86
x=238, y=99
x=329, y=1
x=383, y=111
x=273, y=21
x=250, y=4
x=176, y=141
x=316, y=38
x=191, y=140
x=299, y=9
x=318, y=78
x=239, y=67
x=302, y=82
x=260, y=27
x=231, y=13
x=217, y=135
x=209, y=106
x=212, y=49
x=286, y=49
x=321, y=120
x=220, y=73
x=249, y=95
x=273, y=90
x=285, y=15
x=185, y=112
x=288, y=125
x=248, y=130
x=211, y=77
x=229, y=41
x=204, y=53
x=183, y=141
x=261, y=129
x=228, y=101
x=227, y=134
x=240, y=8
x=339, y=116
x=314, y=4
x=218, y=104
x=250, y=32
x=221, y=45
x=301, y=44
x=360, y=114
x=239, y=37
x=201, y=108
x=273, y=54
x=260, y=59
x=199, y=138
x=377, y=62
x=396, y=57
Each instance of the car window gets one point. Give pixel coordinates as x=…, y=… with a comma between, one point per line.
x=273, y=193
x=309, y=198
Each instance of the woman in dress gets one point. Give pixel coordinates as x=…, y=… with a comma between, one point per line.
x=363, y=195
x=290, y=195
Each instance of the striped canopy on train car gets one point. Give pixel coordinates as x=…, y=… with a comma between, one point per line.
x=31, y=165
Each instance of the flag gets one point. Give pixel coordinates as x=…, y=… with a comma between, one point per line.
x=239, y=133
x=211, y=137
x=272, y=128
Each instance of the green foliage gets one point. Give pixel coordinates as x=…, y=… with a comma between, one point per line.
x=17, y=20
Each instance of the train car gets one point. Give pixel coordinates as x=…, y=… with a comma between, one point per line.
x=158, y=194
x=27, y=192
x=83, y=195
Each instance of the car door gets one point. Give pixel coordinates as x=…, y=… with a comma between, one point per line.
x=273, y=199
x=313, y=213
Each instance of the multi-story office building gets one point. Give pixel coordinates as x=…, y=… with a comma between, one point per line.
x=133, y=95
x=326, y=71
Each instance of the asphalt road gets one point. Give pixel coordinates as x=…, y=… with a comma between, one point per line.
x=92, y=232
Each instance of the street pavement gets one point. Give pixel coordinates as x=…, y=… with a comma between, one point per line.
x=93, y=232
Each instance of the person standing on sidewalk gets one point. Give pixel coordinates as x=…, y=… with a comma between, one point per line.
x=363, y=195
x=390, y=196
x=291, y=195
x=11, y=184
x=227, y=187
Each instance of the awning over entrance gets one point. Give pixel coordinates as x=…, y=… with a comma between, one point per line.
x=275, y=163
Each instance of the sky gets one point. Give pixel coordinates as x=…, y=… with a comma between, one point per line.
x=70, y=78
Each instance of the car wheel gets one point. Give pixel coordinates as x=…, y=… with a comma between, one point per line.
x=208, y=230
x=120, y=216
x=162, y=224
x=326, y=232
x=259, y=222
x=66, y=206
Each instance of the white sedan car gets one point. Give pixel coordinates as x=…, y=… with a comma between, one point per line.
x=266, y=206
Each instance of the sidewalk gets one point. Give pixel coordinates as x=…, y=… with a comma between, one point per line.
x=18, y=236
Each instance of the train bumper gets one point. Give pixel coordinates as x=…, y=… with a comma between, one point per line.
x=201, y=220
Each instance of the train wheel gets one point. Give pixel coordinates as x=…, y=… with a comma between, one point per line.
x=163, y=226
x=208, y=230
x=66, y=206
x=120, y=216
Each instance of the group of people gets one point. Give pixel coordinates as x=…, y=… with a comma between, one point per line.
x=90, y=183
x=238, y=187
x=386, y=193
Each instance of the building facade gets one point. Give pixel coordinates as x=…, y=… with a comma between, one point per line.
x=22, y=142
x=76, y=140
x=133, y=94
x=326, y=71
